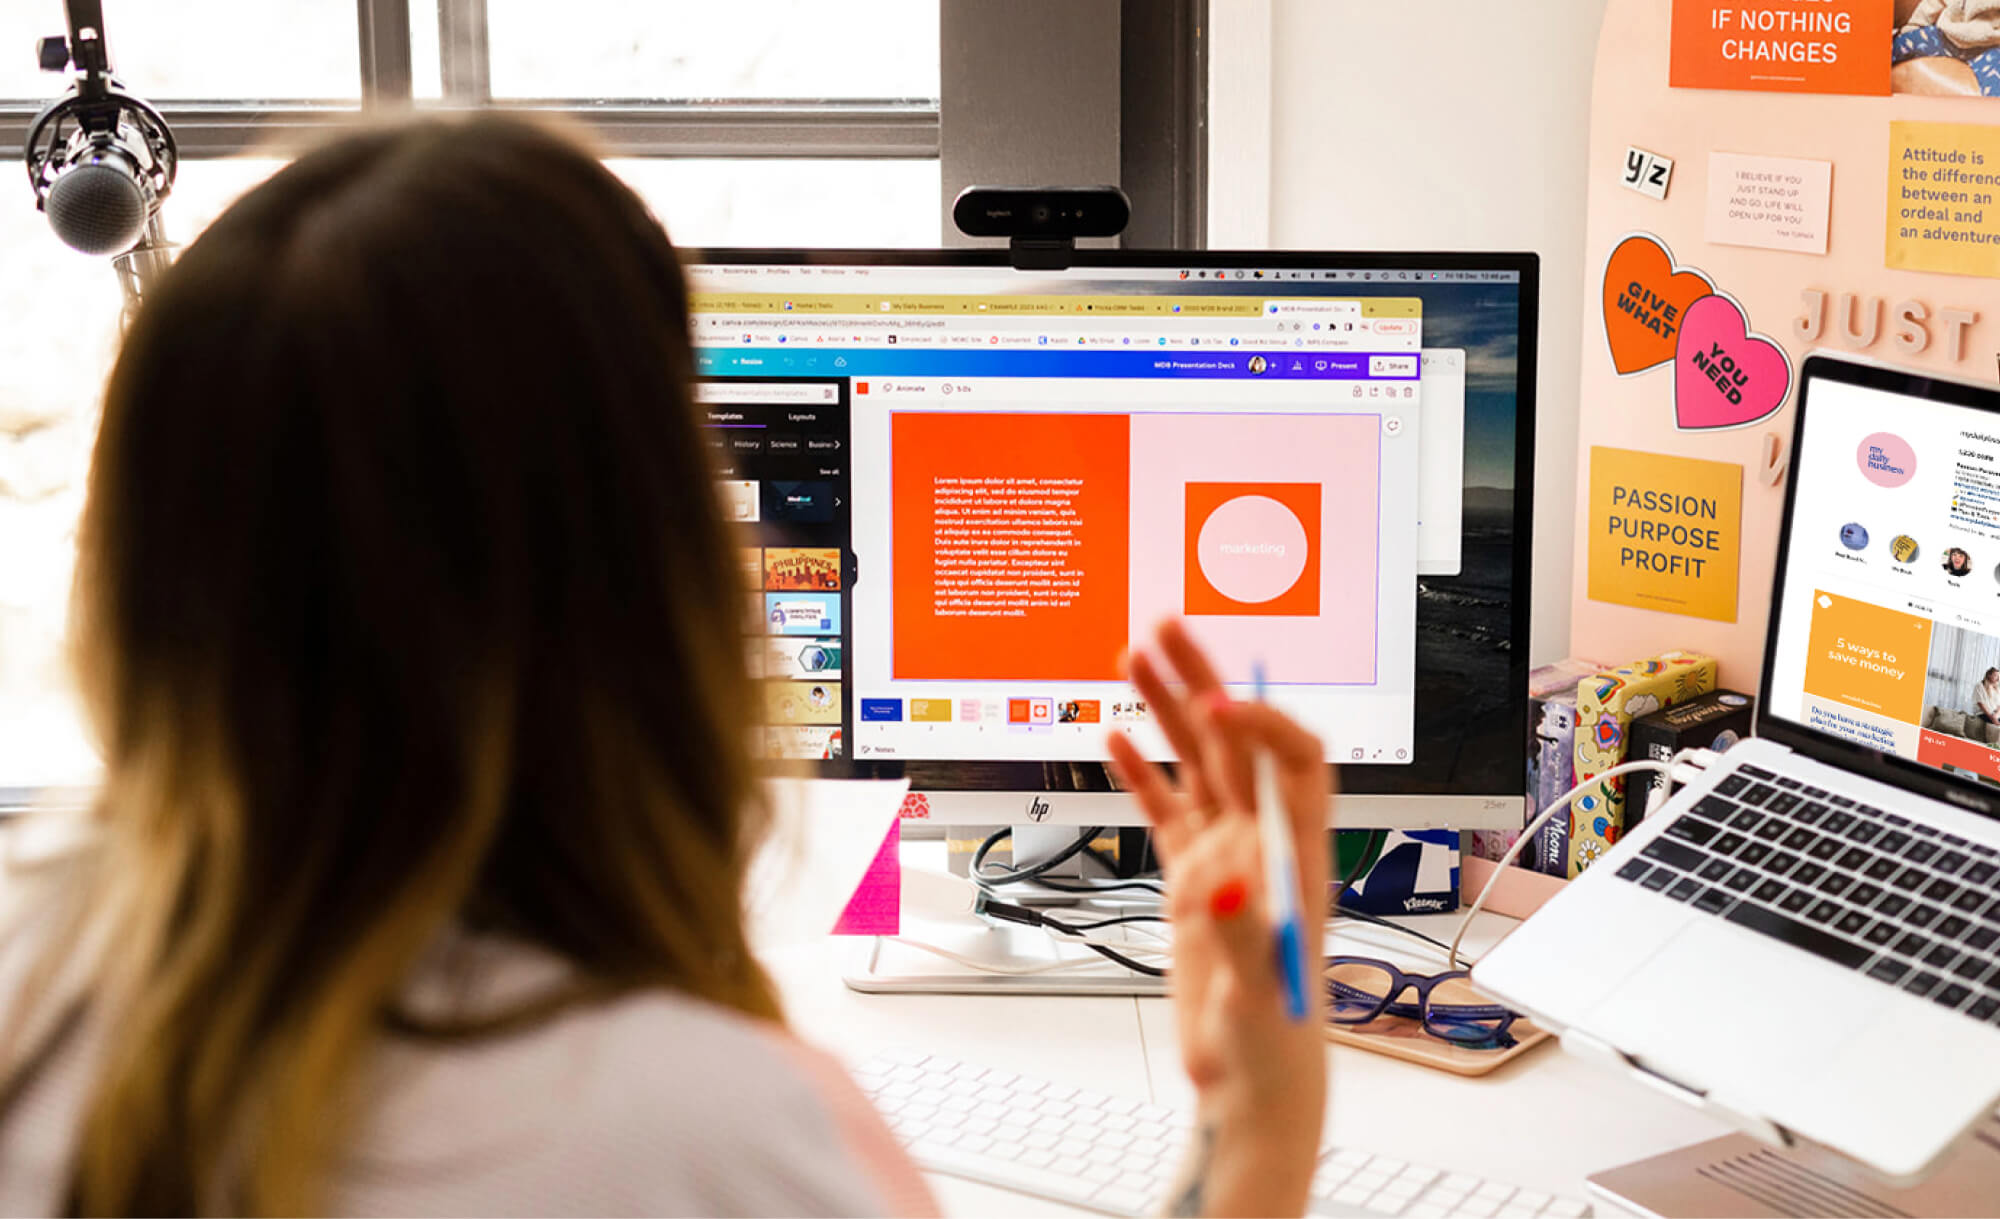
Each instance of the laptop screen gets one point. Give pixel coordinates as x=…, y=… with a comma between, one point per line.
x=1888, y=613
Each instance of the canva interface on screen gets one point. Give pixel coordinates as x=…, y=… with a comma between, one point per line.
x=1891, y=629
x=780, y=450
x=1035, y=481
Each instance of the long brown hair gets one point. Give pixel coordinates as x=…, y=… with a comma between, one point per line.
x=404, y=601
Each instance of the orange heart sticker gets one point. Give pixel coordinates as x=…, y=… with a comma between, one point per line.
x=1645, y=300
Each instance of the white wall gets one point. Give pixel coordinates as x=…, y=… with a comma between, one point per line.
x=1453, y=124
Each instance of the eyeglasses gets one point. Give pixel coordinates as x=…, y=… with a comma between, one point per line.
x=1361, y=989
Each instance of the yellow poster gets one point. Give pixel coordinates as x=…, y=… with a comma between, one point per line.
x=1943, y=180
x=1665, y=532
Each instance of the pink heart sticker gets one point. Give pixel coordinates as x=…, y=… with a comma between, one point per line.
x=1726, y=376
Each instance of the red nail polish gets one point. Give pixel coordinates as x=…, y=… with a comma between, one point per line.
x=1227, y=901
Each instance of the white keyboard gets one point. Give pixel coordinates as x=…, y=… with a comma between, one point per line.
x=1117, y=1155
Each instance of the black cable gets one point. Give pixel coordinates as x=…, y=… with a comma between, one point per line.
x=1376, y=920
x=1120, y=920
x=1026, y=917
x=1100, y=886
x=1037, y=873
x=1008, y=876
x=1102, y=950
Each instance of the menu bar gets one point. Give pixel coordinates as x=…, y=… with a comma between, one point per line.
x=710, y=276
x=868, y=304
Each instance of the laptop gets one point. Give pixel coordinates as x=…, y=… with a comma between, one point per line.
x=1805, y=939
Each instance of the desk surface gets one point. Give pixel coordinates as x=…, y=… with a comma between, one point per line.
x=1546, y=1120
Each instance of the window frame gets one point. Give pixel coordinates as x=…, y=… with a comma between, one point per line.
x=1101, y=110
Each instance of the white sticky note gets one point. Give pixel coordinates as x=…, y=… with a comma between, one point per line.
x=1649, y=173
x=1771, y=203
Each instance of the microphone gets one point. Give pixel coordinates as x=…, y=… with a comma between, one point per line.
x=100, y=160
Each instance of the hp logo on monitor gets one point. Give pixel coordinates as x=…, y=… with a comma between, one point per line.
x=1038, y=809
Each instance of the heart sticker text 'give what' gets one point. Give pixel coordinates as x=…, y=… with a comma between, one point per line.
x=1646, y=303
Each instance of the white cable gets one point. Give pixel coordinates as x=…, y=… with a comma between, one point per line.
x=989, y=967
x=1528, y=832
x=1383, y=939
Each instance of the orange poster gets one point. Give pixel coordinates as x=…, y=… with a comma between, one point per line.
x=1783, y=46
x=1011, y=545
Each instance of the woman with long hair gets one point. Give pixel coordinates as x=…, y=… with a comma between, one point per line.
x=409, y=619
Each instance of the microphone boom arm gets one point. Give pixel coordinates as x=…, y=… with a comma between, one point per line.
x=87, y=47
x=98, y=109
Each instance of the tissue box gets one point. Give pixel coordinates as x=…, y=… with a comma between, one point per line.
x=1552, y=773
x=1552, y=757
x=1606, y=706
x=1548, y=764
x=1715, y=720
x=1410, y=872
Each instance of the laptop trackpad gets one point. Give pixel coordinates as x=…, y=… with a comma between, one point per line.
x=1719, y=1008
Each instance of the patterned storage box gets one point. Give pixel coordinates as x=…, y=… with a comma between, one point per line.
x=1606, y=705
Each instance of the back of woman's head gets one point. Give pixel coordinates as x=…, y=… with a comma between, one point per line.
x=403, y=598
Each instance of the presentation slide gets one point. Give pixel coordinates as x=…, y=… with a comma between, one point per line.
x=1031, y=547
x=1016, y=539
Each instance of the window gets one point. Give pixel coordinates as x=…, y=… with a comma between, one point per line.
x=678, y=50
x=709, y=202
x=209, y=50
x=58, y=334
x=725, y=117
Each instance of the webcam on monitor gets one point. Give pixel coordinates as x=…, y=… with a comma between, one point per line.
x=1041, y=223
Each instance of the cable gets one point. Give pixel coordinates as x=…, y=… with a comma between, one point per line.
x=1008, y=876
x=1037, y=873
x=1120, y=920
x=1381, y=940
x=992, y=907
x=1158, y=952
x=1103, y=950
x=1100, y=886
x=1376, y=920
x=1529, y=831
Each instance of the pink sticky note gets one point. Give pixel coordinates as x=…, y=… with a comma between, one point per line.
x=877, y=906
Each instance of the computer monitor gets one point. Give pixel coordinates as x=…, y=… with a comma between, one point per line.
x=966, y=487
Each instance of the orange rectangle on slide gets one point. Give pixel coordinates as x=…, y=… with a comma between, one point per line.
x=1783, y=46
x=1868, y=657
x=1011, y=545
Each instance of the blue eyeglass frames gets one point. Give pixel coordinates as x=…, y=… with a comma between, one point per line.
x=1361, y=989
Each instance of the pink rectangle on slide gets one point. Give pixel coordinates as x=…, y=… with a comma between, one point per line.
x=877, y=905
x=1340, y=453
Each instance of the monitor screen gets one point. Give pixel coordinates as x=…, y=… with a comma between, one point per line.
x=966, y=489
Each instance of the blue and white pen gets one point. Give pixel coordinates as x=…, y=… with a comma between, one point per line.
x=1281, y=875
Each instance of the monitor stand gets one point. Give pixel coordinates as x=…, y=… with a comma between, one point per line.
x=1737, y=1175
x=1017, y=960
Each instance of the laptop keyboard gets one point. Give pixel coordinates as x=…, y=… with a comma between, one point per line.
x=1905, y=904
